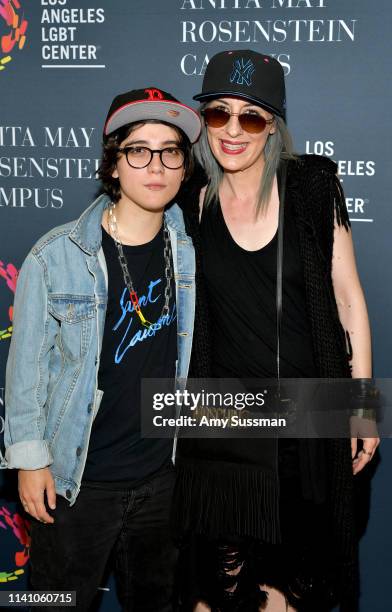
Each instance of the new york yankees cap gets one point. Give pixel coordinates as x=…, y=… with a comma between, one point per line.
x=151, y=103
x=245, y=74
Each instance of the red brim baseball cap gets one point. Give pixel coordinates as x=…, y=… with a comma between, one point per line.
x=152, y=103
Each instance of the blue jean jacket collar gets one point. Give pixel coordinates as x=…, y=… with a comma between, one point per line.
x=87, y=230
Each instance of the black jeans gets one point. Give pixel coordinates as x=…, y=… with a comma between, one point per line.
x=131, y=526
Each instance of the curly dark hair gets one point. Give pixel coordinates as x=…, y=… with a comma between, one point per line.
x=111, y=186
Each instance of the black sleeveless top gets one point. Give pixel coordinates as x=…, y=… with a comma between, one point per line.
x=241, y=289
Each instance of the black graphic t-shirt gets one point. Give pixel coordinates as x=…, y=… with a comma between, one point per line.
x=129, y=353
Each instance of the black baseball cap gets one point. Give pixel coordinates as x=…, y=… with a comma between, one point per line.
x=151, y=103
x=245, y=74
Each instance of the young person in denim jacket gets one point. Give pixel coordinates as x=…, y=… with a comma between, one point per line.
x=101, y=303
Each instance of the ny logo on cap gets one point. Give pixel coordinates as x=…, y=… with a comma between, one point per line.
x=242, y=72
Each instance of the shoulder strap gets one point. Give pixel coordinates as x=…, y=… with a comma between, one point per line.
x=282, y=176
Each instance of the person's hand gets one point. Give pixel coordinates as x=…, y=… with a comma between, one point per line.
x=33, y=484
x=366, y=431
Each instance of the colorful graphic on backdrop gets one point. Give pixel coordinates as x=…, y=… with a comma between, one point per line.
x=10, y=274
x=17, y=528
x=15, y=28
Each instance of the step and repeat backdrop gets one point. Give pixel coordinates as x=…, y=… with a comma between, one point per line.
x=61, y=63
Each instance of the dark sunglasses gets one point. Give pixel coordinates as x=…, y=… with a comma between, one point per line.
x=250, y=122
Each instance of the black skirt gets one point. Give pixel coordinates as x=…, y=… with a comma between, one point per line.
x=300, y=565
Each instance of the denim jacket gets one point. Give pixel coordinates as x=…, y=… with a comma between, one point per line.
x=52, y=395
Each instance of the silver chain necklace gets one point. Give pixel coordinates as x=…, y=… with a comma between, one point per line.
x=167, y=254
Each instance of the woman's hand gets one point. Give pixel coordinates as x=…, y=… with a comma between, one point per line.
x=366, y=431
x=32, y=487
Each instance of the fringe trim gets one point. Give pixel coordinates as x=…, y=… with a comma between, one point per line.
x=226, y=499
x=349, y=588
x=339, y=201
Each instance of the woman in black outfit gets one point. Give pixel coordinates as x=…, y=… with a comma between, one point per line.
x=268, y=523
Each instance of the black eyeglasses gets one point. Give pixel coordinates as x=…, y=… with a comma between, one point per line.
x=251, y=122
x=139, y=157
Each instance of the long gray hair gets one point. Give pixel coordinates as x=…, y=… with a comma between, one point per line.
x=278, y=146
